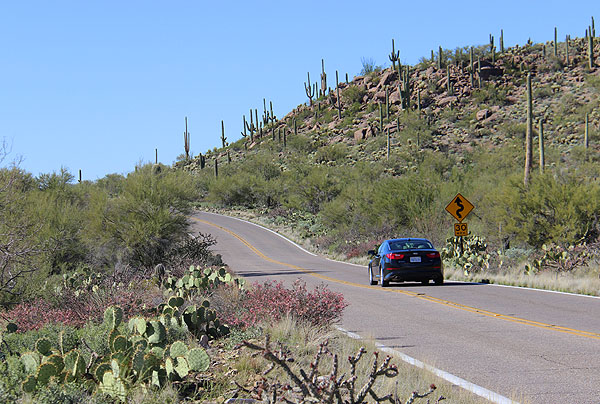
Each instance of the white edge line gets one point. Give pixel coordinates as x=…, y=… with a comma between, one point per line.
x=466, y=385
x=363, y=266
x=544, y=290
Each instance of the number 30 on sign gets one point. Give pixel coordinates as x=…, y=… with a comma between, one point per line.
x=461, y=230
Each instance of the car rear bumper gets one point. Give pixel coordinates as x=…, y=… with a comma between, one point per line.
x=412, y=274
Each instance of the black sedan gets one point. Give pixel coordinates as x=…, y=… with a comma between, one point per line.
x=406, y=259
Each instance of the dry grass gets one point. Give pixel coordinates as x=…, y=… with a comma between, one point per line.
x=585, y=281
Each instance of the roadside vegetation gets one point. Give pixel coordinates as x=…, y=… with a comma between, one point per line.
x=106, y=298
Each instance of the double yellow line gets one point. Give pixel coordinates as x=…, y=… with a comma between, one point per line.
x=448, y=303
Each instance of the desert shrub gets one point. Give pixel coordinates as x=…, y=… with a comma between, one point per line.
x=368, y=66
x=354, y=94
x=333, y=152
x=315, y=187
x=271, y=301
x=12, y=374
x=490, y=94
x=558, y=209
x=149, y=215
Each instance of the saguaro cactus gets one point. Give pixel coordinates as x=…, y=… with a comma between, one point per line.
x=323, y=78
x=555, y=42
x=586, y=139
x=591, y=52
x=388, y=143
x=337, y=90
x=186, y=141
x=501, y=41
x=567, y=38
x=541, y=143
x=528, y=134
x=440, y=57
x=394, y=56
x=310, y=93
x=223, y=138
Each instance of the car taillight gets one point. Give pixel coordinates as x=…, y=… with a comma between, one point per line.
x=395, y=256
x=433, y=255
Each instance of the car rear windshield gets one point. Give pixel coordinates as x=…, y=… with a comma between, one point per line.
x=411, y=245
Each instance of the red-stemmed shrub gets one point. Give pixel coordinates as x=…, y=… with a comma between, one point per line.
x=272, y=301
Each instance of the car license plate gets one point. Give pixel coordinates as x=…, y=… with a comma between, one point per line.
x=415, y=259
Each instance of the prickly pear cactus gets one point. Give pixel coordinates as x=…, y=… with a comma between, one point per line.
x=473, y=258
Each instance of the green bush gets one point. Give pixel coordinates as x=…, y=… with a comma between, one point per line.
x=557, y=209
x=354, y=94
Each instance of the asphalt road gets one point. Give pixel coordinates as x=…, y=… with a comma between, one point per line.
x=520, y=343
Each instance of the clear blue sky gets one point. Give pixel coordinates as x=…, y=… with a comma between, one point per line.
x=98, y=85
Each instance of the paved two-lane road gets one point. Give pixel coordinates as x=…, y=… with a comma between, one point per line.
x=539, y=345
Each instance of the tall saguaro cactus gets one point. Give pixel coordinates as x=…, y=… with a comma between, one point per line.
x=586, y=138
x=528, y=134
x=501, y=41
x=394, y=56
x=223, y=138
x=337, y=90
x=567, y=39
x=591, y=63
x=323, y=78
x=186, y=141
x=541, y=143
x=310, y=93
x=555, y=42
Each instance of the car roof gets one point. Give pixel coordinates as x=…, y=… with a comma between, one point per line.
x=408, y=239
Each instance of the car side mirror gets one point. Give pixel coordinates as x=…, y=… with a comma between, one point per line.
x=372, y=252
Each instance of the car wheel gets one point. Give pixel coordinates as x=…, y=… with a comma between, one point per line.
x=439, y=281
x=372, y=280
x=384, y=283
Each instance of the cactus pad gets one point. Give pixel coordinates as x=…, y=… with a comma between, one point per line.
x=119, y=344
x=29, y=384
x=101, y=369
x=182, y=368
x=176, y=301
x=113, y=316
x=43, y=346
x=178, y=348
x=31, y=361
x=44, y=372
x=156, y=332
x=198, y=360
x=57, y=361
x=11, y=327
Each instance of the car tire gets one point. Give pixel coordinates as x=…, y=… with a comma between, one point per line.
x=439, y=281
x=372, y=279
x=384, y=283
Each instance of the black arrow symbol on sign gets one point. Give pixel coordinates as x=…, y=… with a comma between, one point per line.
x=461, y=207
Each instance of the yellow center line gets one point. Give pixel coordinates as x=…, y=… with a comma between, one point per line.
x=421, y=296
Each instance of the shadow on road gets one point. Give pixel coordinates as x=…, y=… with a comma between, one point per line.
x=256, y=274
x=445, y=285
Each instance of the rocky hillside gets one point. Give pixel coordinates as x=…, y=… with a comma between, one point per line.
x=456, y=101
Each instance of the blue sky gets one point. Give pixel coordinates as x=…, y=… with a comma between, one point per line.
x=98, y=85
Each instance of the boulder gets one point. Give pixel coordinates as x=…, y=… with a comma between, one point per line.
x=482, y=114
x=360, y=134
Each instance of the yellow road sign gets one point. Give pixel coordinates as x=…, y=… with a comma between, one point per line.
x=461, y=230
x=460, y=207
